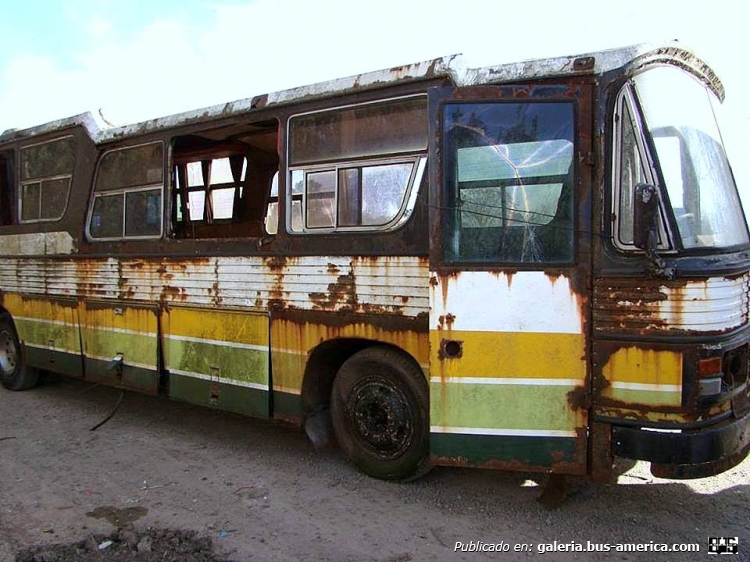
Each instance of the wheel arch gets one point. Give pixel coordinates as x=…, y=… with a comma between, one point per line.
x=15, y=374
x=325, y=361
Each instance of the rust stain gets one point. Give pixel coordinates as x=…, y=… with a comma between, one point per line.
x=276, y=264
x=169, y=293
x=558, y=467
x=444, y=280
x=637, y=305
x=578, y=399
x=342, y=293
x=345, y=320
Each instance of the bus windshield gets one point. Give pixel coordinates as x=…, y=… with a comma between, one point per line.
x=699, y=183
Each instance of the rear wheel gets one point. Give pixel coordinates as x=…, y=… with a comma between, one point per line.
x=14, y=375
x=380, y=409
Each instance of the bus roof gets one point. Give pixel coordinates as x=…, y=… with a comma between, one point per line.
x=453, y=67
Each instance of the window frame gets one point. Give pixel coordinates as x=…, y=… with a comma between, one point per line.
x=627, y=97
x=207, y=188
x=406, y=205
x=418, y=159
x=123, y=192
x=448, y=197
x=40, y=180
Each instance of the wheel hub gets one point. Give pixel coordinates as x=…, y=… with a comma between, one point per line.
x=8, y=358
x=382, y=417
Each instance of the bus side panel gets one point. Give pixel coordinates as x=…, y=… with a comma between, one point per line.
x=218, y=358
x=508, y=372
x=332, y=305
x=296, y=335
x=48, y=330
x=640, y=379
x=120, y=344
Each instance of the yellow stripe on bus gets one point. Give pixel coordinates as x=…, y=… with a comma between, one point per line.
x=658, y=369
x=217, y=325
x=507, y=355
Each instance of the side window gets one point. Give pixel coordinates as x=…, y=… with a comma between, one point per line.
x=353, y=168
x=271, y=223
x=128, y=191
x=630, y=169
x=508, y=170
x=208, y=189
x=224, y=181
x=46, y=174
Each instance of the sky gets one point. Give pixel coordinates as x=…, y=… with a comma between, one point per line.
x=138, y=59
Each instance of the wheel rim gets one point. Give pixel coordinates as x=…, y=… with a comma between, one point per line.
x=382, y=417
x=8, y=354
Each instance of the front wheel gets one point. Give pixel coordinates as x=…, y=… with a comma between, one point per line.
x=14, y=375
x=380, y=410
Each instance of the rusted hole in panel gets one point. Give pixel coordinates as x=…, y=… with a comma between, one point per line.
x=451, y=349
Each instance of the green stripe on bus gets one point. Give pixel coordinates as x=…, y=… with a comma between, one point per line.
x=62, y=336
x=478, y=450
x=135, y=348
x=216, y=360
x=502, y=406
x=645, y=397
x=228, y=397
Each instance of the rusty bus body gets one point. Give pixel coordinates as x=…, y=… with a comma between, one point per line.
x=446, y=257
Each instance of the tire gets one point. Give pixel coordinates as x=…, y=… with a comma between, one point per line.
x=380, y=414
x=14, y=375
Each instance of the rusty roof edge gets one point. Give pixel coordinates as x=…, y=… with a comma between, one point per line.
x=666, y=52
x=452, y=66
x=86, y=120
x=604, y=61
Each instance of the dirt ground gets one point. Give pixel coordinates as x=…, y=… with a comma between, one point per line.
x=172, y=482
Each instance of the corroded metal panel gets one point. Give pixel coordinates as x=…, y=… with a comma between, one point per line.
x=319, y=298
x=328, y=283
x=378, y=299
x=120, y=342
x=652, y=306
x=207, y=351
x=48, y=330
x=508, y=371
x=645, y=377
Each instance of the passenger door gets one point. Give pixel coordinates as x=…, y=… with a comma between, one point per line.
x=510, y=266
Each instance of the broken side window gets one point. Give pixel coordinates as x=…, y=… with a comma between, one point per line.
x=223, y=181
x=509, y=178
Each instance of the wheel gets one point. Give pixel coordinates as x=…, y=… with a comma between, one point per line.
x=380, y=411
x=14, y=375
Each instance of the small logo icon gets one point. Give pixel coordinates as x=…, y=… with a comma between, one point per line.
x=723, y=545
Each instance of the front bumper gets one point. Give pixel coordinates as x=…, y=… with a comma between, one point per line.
x=688, y=454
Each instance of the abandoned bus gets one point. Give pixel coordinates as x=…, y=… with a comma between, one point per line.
x=537, y=266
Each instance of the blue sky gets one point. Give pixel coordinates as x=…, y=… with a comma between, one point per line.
x=138, y=59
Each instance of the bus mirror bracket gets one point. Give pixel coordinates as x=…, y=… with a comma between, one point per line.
x=645, y=226
x=645, y=213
